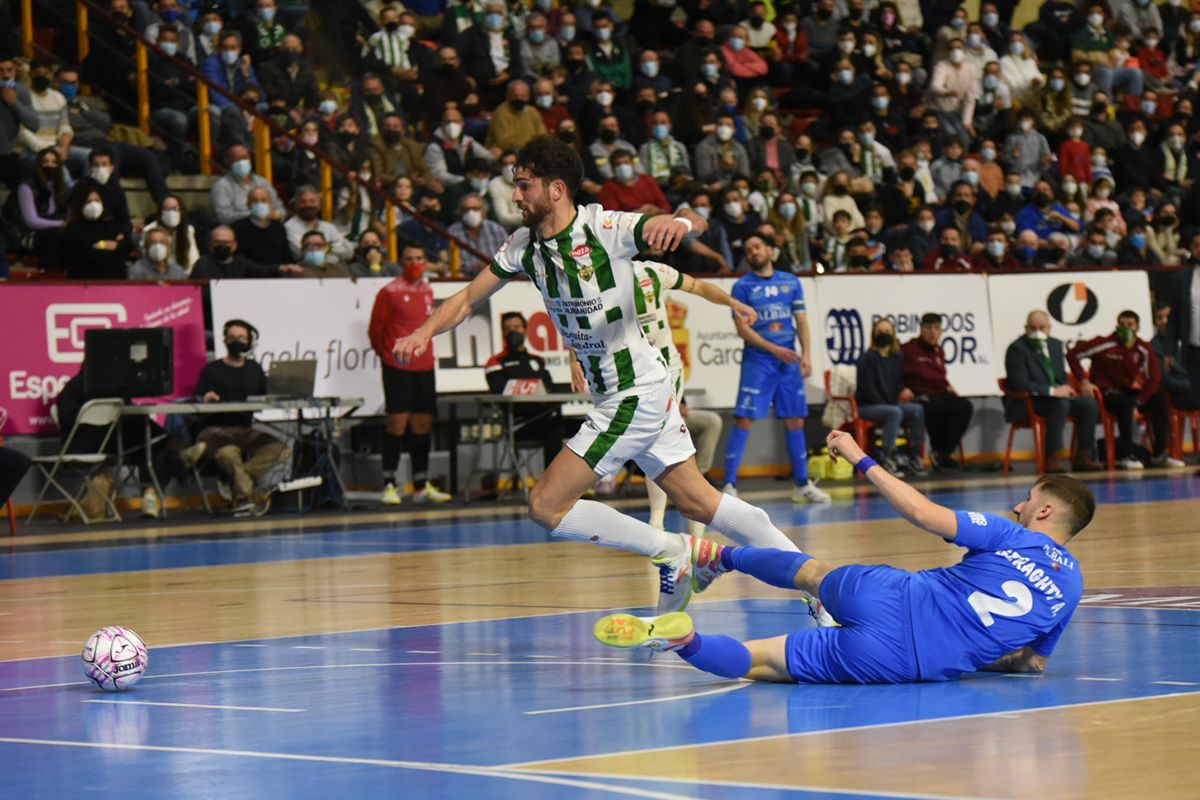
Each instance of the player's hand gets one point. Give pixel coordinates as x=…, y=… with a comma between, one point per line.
x=664, y=233
x=410, y=347
x=742, y=312
x=787, y=355
x=579, y=383
x=842, y=445
x=805, y=365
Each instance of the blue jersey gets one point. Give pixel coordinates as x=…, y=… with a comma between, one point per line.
x=1013, y=588
x=776, y=299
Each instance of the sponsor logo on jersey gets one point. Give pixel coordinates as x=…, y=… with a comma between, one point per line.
x=977, y=519
x=581, y=251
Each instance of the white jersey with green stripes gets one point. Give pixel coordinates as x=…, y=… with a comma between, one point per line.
x=656, y=280
x=593, y=292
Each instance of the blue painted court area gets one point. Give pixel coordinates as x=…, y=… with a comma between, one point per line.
x=440, y=710
x=240, y=548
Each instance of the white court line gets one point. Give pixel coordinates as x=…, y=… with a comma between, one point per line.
x=306, y=647
x=1103, y=680
x=249, y=645
x=366, y=650
x=1022, y=675
x=457, y=769
x=823, y=731
x=535, y=655
x=635, y=664
x=428, y=652
x=477, y=654
x=1176, y=683
x=721, y=690
x=197, y=705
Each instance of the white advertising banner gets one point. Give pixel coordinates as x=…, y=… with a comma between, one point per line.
x=845, y=307
x=1081, y=304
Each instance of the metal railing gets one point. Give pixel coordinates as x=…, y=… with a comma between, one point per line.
x=262, y=130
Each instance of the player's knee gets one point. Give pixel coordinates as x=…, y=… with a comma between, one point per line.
x=543, y=511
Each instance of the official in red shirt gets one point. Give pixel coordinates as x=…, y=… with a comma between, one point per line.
x=947, y=416
x=629, y=190
x=1125, y=371
x=409, y=390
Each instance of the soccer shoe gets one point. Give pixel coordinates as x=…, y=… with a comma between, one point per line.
x=705, y=556
x=674, y=581
x=665, y=632
x=151, y=507
x=809, y=493
x=390, y=496
x=430, y=494
x=816, y=610
x=729, y=489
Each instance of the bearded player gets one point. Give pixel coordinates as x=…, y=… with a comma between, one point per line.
x=580, y=258
x=1002, y=608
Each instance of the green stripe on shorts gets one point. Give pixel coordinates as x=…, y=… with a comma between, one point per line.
x=620, y=423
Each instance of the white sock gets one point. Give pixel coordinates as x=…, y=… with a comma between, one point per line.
x=747, y=524
x=658, y=504
x=589, y=521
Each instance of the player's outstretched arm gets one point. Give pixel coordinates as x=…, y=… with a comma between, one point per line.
x=911, y=504
x=666, y=231
x=719, y=297
x=447, y=316
x=1023, y=660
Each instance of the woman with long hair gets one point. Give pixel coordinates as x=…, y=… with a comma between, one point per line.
x=95, y=240
x=42, y=201
x=883, y=398
x=787, y=218
x=173, y=218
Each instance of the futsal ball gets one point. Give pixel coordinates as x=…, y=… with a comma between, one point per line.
x=115, y=658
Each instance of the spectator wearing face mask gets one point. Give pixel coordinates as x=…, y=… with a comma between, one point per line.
x=396, y=154
x=1026, y=150
x=413, y=232
x=370, y=259
x=491, y=53
x=1044, y=216
x=223, y=261
x=447, y=155
x=719, y=157
x=1093, y=251
x=540, y=52
x=230, y=192
x=609, y=58
x=316, y=259
x=288, y=78
x=307, y=204
x=229, y=68
x=172, y=217
x=546, y=101
x=95, y=240
x=996, y=255
x=156, y=263
x=661, y=154
x=515, y=123
x=949, y=255
x=1136, y=164
x=1176, y=165
x=103, y=179
x=39, y=208
x=627, y=190
x=1135, y=248
x=261, y=235
x=475, y=228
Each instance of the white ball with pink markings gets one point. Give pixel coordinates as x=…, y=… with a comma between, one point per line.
x=115, y=658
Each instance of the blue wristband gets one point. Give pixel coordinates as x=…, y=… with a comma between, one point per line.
x=864, y=464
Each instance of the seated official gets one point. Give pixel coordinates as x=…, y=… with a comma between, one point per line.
x=514, y=362
x=947, y=416
x=1125, y=370
x=252, y=461
x=1175, y=381
x=883, y=398
x=1034, y=363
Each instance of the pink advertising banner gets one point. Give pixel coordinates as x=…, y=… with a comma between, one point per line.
x=42, y=328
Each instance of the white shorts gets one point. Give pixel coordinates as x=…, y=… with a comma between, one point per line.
x=644, y=427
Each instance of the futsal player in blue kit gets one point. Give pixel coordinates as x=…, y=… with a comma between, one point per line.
x=773, y=372
x=1002, y=608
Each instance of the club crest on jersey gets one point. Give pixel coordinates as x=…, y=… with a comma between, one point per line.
x=608, y=223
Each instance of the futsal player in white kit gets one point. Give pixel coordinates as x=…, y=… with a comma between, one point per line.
x=579, y=257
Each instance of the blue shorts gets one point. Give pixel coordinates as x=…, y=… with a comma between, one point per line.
x=874, y=644
x=765, y=381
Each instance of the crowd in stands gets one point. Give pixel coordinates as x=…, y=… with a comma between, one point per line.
x=855, y=135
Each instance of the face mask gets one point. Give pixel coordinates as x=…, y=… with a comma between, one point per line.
x=518, y=105
x=157, y=252
x=537, y=36
x=414, y=272
x=971, y=178
x=841, y=189
x=566, y=33
x=1070, y=188
x=69, y=90
x=1057, y=84
x=744, y=191
x=1008, y=227
x=757, y=23
x=974, y=40
x=212, y=28
x=846, y=76
x=736, y=43
x=809, y=189
x=170, y=48
x=790, y=27
x=1013, y=189
x=604, y=98
x=1194, y=25
x=1027, y=125
x=40, y=83
x=327, y=107
x=1103, y=192
x=240, y=168
x=1076, y=133
x=787, y=211
x=661, y=132
x=1149, y=107
x=1016, y=48
x=1138, y=241
x=604, y=34
x=710, y=70
x=903, y=78
x=406, y=31
x=759, y=103
x=988, y=154
x=266, y=14
x=925, y=225
x=608, y=136
x=1038, y=336
x=996, y=249
x=452, y=130
x=990, y=82
x=473, y=218
x=881, y=102
x=567, y=136
x=733, y=210
x=624, y=173
x=260, y=211
x=824, y=13
x=93, y=210
x=494, y=21
x=314, y=258
x=724, y=132
x=882, y=340
x=866, y=139
x=1095, y=20
x=101, y=174
x=237, y=347
x=703, y=211
x=1137, y=137
x=230, y=57
x=650, y=69
x=1151, y=43
x=170, y=218
x=1041, y=199
x=311, y=139
x=957, y=55
x=514, y=339
x=869, y=50
x=479, y=185
x=767, y=132
x=545, y=100
x=846, y=46
x=907, y=173
x=222, y=252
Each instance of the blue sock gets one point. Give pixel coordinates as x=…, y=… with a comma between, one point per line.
x=797, y=449
x=776, y=567
x=734, y=449
x=720, y=655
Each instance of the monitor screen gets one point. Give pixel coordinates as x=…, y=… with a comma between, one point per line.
x=128, y=362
